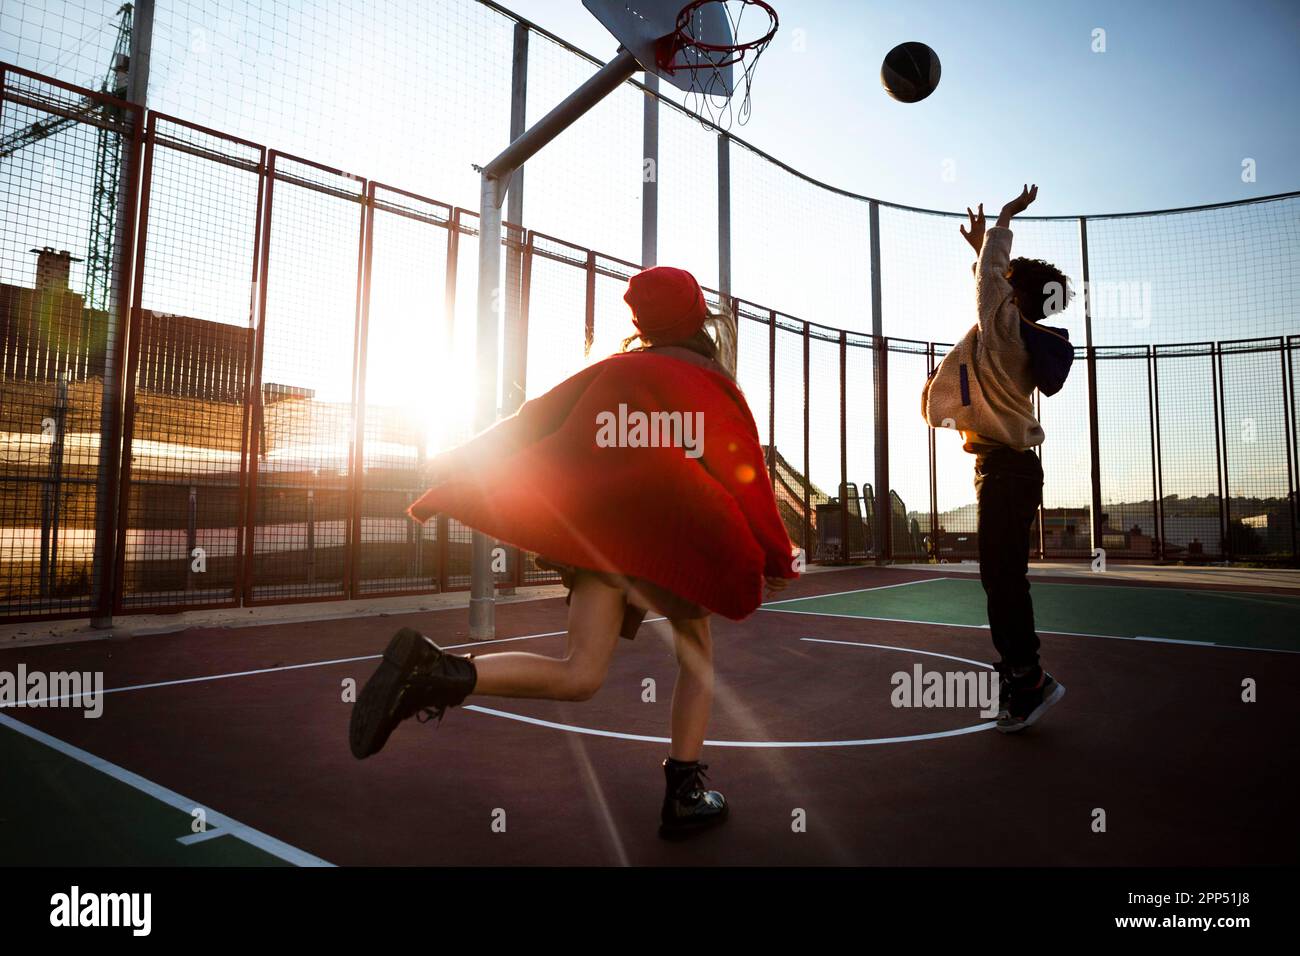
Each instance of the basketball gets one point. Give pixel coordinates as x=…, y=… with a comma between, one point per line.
x=910, y=72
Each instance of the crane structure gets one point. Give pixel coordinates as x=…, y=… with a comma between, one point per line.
x=108, y=162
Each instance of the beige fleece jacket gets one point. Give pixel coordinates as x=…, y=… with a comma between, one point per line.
x=983, y=387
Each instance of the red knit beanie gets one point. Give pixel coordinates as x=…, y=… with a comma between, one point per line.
x=667, y=304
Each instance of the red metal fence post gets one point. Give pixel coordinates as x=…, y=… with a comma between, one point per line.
x=845, y=538
x=932, y=547
x=129, y=305
x=255, y=391
x=357, y=455
x=1221, y=450
x=442, y=524
x=1288, y=435
x=807, y=479
x=1157, y=452
x=771, y=397
x=248, y=438
x=521, y=380
x=590, y=334
x=1158, y=545
x=128, y=208
x=884, y=504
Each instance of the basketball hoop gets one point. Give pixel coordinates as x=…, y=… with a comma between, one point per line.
x=708, y=63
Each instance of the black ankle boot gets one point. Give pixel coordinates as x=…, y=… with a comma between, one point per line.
x=416, y=676
x=688, y=807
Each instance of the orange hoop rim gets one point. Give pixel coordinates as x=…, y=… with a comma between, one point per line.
x=680, y=39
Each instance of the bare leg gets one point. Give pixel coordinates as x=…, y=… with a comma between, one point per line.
x=693, y=695
x=595, y=614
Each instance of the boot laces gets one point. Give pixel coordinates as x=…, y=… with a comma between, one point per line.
x=413, y=704
x=419, y=687
x=426, y=714
x=694, y=784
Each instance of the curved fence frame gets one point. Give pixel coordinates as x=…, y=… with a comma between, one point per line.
x=305, y=500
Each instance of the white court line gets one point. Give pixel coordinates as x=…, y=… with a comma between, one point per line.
x=887, y=647
x=171, y=798
x=650, y=620
x=881, y=587
x=521, y=637
x=1076, y=579
x=210, y=833
x=765, y=744
x=760, y=744
x=1173, y=640
x=44, y=701
x=1258, y=597
x=896, y=620
x=1157, y=585
x=864, y=742
x=985, y=627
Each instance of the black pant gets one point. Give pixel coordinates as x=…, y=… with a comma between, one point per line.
x=1008, y=489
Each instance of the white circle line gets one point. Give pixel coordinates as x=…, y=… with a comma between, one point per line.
x=891, y=647
x=769, y=744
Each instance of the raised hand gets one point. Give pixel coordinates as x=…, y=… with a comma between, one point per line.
x=975, y=235
x=1018, y=205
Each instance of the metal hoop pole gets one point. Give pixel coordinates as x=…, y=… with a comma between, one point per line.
x=496, y=177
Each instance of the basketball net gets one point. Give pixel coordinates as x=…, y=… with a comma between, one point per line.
x=753, y=24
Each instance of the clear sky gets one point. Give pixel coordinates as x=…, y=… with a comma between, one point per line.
x=1185, y=90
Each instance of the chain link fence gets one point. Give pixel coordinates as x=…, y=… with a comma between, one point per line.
x=291, y=338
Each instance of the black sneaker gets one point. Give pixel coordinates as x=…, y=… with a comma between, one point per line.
x=415, y=677
x=688, y=807
x=1029, y=700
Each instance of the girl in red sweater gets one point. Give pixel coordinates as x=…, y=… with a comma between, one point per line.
x=642, y=481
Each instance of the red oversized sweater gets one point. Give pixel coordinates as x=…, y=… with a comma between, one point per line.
x=706, y=528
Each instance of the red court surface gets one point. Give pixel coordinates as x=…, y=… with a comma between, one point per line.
x=1154, y=734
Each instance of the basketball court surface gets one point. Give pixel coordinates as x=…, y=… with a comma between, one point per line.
x=249, y=725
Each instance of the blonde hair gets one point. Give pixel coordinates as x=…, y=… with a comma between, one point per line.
x=715, y=339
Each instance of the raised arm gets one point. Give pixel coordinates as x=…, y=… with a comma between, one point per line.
x=992, y=289
x=1018, y=205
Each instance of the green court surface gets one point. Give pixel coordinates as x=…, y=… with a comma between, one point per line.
x=1226, y=618
x=56, y=806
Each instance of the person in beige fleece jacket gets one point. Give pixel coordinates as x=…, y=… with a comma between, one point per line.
x=984, y=389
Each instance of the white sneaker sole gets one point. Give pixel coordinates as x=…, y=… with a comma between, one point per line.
x=1052, y=698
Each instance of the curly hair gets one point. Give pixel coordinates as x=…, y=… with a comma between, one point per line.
x=1041, y=289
